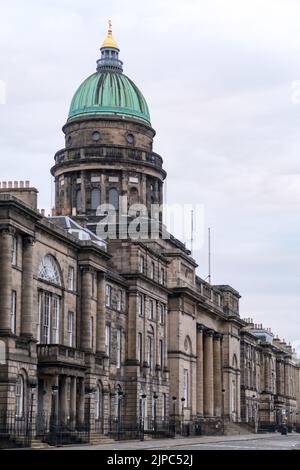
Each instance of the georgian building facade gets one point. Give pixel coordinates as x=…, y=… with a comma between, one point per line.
x=94, y=332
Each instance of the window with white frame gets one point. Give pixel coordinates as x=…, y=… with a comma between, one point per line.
x=13, y=311
x=46, y=318
x=55, y=319
x=49, y=270
x=118, y=349
x=142, y=264
x=20, y=397
x=162, y=311
x=162, y=276
x=186, y=387
x=107, y=340
x=14, y=252
x=140, y=348
x=108, y=296
x=38, y=317
x=71, y=329
x=71, y=278
x=150, y=352
x=161, y=353
x=119, y=300
x=150, y=309
x=152, y=270
x=140, y=305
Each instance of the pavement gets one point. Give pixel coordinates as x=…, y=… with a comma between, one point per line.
x=270, y=441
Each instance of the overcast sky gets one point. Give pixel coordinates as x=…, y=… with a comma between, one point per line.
x=218, y=78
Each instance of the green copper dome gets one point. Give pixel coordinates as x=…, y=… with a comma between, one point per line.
x=109, y=92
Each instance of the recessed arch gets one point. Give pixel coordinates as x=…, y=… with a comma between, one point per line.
x=49, y=270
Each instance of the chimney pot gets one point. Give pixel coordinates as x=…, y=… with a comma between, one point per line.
x=4, y=184
x=27, y=184
x=21, y=184
x=16, y=184
x=10, y=184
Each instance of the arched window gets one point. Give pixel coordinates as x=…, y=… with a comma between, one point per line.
x=49, y=271
x=95, y=199
x=78, y=200
x=20, y=398
x=113, y=198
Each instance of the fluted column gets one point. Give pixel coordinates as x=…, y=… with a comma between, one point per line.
x=5, y=279
x=217, y=375
x=208, y=374
x=200, y=370
x=86, y=299
x=28, y=316
x=100, y=334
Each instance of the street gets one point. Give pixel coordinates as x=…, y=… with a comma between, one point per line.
x=240, y=442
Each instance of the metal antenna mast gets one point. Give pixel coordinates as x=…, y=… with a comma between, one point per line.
x=209, y=257
x=192, y=231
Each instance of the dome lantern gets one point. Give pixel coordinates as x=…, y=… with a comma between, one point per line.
x=110, y=54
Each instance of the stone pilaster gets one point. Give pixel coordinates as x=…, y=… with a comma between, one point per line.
x=200, y=370
x=5, y=279
x=80, y=404
x=100, y=330
x=217, y=374
x=28, y=311
x=208, y=374
x=73, y=398
x=132, y=329
x=63, y=399
x=86, y=308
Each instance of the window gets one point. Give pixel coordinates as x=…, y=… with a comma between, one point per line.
x=95, y=199
x=150, y=352
x=162, y=310
x=46, y=326
x=20, y=397
x=152, y=269
x=142, y=264
x=107, y=340
x=108, y=296
x=140, y=305
x=140, y=348
x=55, y=320
x=14, y=251
x=13, y=312
x=71, y=278
x=119, y=300
x=162, y=276
x=49, y=271
x=78, y=200
x=161, y=353
x=118, y=349
x=186, y=387
x=71, y=329
x=150, y=309
x=38, y=316
x=113, y=198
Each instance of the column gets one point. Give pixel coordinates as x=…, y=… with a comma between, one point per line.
x=63, y=400
x=86, y=297
x=200, y=370
x=73, y=399
x=132, y=333
x=80, y=409
x=5, y=279
x=100, y=329
x=286, y=379
x=208, y=374
x=83, y=193
x=217, y=375
x=28, y=311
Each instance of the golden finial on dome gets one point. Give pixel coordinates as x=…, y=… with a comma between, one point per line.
x=110, y=41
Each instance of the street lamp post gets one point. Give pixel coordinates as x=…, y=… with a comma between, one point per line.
x=142, y=417
x=29, y=421
x=255, y=415
x=155, y=397
x=182, y=414
x=174, y=411
x=120, y=396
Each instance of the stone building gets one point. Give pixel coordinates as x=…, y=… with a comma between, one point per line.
x=99, y=333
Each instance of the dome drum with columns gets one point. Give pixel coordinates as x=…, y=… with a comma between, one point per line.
x=109, y=141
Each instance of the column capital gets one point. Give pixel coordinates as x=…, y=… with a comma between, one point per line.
x=101, y=276
x=7, y=230
x=28, y=240
x=208, y=332
x=217, y=336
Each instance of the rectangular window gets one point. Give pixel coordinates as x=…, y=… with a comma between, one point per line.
x=107, y=340
x=71, y=329
x=150, y=309
x=161, y=353
x=140, y=305
x=150, y=352
x=119, y=300
x=142, y=264
x=55, y=320
x=13, y=312
x=14, y=251
x=162, y=310
x=186, y=387
x=38, y=317
x=162, y=276
x=140, y=349
x=46, y=327
x=152, y=270
x=108, y=296
x=118, y=349
x=71, y=278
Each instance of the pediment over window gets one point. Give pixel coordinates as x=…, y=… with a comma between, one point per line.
x=49, y=270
